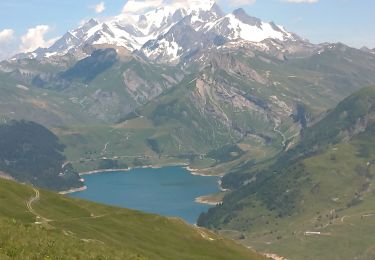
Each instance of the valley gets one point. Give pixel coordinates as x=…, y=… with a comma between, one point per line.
x=315, y=197
x=222, y=133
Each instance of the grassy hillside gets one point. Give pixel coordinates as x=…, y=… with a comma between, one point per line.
x=36, y=224
x=324, y=185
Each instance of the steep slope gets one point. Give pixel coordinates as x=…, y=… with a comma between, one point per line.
x=315, y=197
x=242, y=95
x=239, y=25
x=127, y=30
x=197, y=34
x=19, y=99
x=31, y=153
x=202, y=81
x=106, y=85
x=257, y=96
x=68, y=228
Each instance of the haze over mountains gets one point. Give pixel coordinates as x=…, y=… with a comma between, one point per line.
x=233, y=77
x=323, y=187
x=223, y=93
x=191, y=80
x=159, y=34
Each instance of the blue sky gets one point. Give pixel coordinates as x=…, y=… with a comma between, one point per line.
x=349, y=21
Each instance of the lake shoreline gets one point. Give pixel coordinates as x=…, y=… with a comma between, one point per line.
x=104, y=171
x=73, y=190
x=167, y=191
x=5, y=176
x=201, y=199
x=208, y=200
x=156, y=166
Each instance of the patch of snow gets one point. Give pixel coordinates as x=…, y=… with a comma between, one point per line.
x=22, y=87
x=252, y=33
x=50, y=54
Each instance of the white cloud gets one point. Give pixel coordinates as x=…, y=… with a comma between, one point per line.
x=141, y=6
x=7, y=44
x=6, y=35
x=237, y=3
x=34, y=38
x=99, y=8
x=301, y=1
x=133, y=6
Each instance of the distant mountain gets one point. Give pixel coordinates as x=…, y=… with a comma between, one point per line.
x=198, y=79
x=372, y=51
x=313, y=194
x=166, y=34
x=195, y=85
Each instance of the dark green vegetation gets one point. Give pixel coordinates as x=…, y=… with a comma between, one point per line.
x=75, y=229
x=31, y=153
x=87, y=69
x=111, y=164
x=325, y=184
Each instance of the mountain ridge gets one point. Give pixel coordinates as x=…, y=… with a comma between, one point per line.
x=136, y=32
x=258, y=95
x=311, y=189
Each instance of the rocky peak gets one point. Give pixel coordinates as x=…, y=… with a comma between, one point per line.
x=241, y=15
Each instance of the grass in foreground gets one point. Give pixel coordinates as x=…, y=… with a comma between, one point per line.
x=76, y=229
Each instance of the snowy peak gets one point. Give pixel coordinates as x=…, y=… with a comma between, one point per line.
x=193, y=5
x=185, y=37
x=201, y=5
x=242, y=16
x=166, y=33
x=240, y=26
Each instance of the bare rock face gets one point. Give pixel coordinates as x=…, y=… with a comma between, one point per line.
x=220, y=102
x=140, y=90
x=228, y=63
x=107, y=105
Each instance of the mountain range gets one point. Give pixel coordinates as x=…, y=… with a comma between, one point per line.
x=282, y=119
x=169, y=34
x=180, y=83
x=233, y=77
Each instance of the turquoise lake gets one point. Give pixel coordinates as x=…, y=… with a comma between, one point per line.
x=168, y=191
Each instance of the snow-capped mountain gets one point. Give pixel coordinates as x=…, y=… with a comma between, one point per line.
x=214, y=29
x=240, y=26
x=166, y=34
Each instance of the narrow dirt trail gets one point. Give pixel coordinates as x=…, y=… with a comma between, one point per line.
x=283, y=142
x=45, y=221
x=29, y=205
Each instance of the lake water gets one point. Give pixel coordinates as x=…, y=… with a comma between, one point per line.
x=168, y=191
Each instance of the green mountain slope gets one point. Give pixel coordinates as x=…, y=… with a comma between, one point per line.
x=31, y=153
x=323, y=185
x=20, y=100
x=257, y=99
x=63, y=228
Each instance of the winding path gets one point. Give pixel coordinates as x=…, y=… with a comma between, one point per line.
x=29, y=205
x=275, y=129
x=45, y=221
